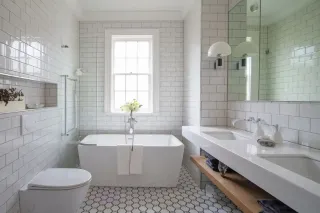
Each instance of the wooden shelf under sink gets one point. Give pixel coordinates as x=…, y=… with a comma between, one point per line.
x=238, y=189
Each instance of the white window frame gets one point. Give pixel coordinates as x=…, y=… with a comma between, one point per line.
x=154, y=84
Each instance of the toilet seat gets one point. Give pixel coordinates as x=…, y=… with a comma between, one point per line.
x=60, y=179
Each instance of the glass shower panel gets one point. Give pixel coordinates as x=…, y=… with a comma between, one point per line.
x=71, y=105
x=89, y=85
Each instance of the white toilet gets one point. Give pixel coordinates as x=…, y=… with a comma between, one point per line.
x=55, y=190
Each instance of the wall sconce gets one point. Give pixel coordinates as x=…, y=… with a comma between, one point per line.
x=218, y=50
x=79, y=72
x=243, y=50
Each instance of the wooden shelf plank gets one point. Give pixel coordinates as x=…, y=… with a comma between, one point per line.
x=238, y=189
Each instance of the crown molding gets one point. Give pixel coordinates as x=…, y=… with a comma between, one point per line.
x=130, y=15
x=70, y=6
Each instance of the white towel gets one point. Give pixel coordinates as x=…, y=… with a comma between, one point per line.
x=136, y=160
x=123, y=159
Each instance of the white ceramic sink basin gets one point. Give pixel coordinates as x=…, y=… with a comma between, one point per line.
x=225, y=135
x=302, y=165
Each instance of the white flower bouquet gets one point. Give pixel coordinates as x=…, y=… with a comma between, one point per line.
x=131, y=107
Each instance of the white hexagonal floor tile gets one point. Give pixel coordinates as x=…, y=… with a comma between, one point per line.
x=187, y=197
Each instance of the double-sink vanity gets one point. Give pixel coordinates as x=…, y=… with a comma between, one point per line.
x=273, y=71
x=289, y=172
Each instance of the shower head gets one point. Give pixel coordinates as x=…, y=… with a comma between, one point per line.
x=255, y=7
x=79, y=72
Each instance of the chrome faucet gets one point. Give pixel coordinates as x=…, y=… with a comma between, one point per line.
x=250, y=119
x=253, y=120
x=235, y=121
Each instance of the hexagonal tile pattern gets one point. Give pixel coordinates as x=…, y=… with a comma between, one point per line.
x=187, y=197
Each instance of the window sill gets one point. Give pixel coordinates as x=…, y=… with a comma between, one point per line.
x=141, y=114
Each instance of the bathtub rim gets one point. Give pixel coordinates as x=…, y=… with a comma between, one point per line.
x=176, y=142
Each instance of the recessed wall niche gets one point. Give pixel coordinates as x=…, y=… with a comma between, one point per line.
x=36, y=94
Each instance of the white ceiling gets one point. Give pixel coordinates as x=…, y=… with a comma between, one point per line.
x=135, y=5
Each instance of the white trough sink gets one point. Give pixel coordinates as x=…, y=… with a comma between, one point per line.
x=225, y=135
x=302, y=165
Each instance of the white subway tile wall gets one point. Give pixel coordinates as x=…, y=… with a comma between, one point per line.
x=294, y=57
x=237, y=34
x=93, y=119
x=233, y=3
x=31, y=35
x=263, y=84
x=299, y=122
x=214, y=28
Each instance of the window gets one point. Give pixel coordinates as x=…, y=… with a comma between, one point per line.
x=131, y=62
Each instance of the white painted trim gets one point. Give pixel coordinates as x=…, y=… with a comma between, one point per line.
x=131, y=15
x=189, y=4
x=155, y=71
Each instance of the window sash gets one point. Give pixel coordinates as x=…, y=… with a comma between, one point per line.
x=149, y=39
x=150, y=91
x=125, y=73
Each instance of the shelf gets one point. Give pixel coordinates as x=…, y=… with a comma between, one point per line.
x=28, y=78
x=238, y=189
x=30, y=110
x=35, y=92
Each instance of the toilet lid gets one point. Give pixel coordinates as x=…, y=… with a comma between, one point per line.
x=60, y=179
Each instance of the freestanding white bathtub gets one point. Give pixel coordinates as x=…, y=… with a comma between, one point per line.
x=162, y=159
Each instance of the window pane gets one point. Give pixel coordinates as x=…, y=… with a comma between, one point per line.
x=119, y=99
x=119, y=65
x=143, y=49
x=120, y=49
x=131, y=83
x=132, y=49
x=119, y=82
x=130, y=96
x=143, y=98
x=144, y=65
x=143, y=82
x=132, y=65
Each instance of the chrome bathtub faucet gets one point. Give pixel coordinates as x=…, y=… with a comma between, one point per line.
x=131, y=121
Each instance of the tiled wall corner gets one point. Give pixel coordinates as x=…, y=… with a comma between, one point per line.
x=93, y=119
x=214, y=28
x=192, y=64
x=237, y=34
x=299, y=122
x=31, y=35
x=233, y=3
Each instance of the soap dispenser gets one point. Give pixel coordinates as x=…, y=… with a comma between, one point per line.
x=259, y=132
x=277, y=137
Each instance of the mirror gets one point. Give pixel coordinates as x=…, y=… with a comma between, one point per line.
x=275, y=50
